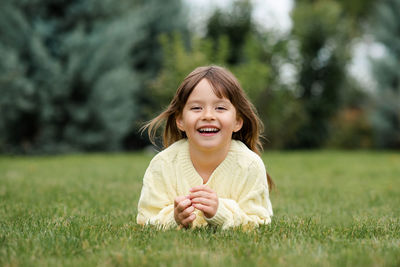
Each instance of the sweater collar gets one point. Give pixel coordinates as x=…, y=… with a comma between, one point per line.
x=190, y=173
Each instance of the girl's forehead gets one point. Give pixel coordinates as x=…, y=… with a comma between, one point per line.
x=206, y=96
x=205, y=87
x=207, y=100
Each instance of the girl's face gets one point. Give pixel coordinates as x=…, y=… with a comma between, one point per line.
x=208, y=120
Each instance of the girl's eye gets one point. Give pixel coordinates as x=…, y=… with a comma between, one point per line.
x=195, y=108
x=221, y=108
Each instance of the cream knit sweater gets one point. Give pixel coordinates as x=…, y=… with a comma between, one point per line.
x=240, y=182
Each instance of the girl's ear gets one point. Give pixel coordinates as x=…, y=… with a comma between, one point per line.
x=238, y=125
x=179, y=123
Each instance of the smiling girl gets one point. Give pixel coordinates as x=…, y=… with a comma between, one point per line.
x=210, y=171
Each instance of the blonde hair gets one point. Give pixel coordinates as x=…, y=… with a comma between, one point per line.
x=224, y=84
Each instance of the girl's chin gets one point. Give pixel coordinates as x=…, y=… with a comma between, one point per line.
x=210, y=145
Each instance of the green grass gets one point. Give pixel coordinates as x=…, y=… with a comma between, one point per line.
x=331, y=209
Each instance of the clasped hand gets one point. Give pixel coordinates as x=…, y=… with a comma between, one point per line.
x=202, y=198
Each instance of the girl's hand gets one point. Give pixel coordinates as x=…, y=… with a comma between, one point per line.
x=183, y=211
x=204, y=199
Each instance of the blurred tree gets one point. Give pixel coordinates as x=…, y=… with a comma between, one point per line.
x=322, y=36
x=386, y=114
x=259, y=74
x=70, y=72
x=356, y=11
x=160, y=17
x=236, y=24
x=350, y=127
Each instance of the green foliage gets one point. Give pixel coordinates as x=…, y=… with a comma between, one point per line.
x=331, y=209
x=350, y=128
x=236, y=24
x=279, y=110
x=282, y=114
x=178, y=61
x=356, y=11
x=85, y=75
x=253, y=73
x=321, y=33
x=386, y=114
x=70, y=72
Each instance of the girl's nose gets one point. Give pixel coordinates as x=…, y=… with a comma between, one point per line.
x=208, y=114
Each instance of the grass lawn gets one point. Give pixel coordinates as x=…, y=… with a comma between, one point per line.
x=331, y=209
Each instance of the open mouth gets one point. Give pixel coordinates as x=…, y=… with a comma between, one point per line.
x=208, y=130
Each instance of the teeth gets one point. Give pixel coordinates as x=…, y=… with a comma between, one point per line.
x=208, y=130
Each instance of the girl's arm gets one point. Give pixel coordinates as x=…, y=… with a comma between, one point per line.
x=156, y=203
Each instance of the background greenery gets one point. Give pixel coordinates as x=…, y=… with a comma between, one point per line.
x=331, y=209
x=85, y=75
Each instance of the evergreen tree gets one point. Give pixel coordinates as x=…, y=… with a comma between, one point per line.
x=71, y=71
x=386, y=116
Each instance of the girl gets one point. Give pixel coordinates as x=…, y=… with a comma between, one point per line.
x=210, y=171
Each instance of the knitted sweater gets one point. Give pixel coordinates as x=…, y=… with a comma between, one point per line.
x=240, y=183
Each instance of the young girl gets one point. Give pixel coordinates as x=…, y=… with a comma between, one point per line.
x=210, y=171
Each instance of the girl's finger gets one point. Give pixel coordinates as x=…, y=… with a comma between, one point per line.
x=185, y=222
x=183, y=205
x=187, y=212
x=203, y=208
x=201, y=188
x=200, y=194
x=203, y=201
x=178, y=199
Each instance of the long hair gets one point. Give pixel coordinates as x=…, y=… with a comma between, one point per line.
x=224, y=84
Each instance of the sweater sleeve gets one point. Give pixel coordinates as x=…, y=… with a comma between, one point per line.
x=156, y=205
x=252, y=207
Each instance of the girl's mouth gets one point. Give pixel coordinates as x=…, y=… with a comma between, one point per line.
x=208, y=131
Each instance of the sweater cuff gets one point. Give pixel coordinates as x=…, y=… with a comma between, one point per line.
x=220, y=216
